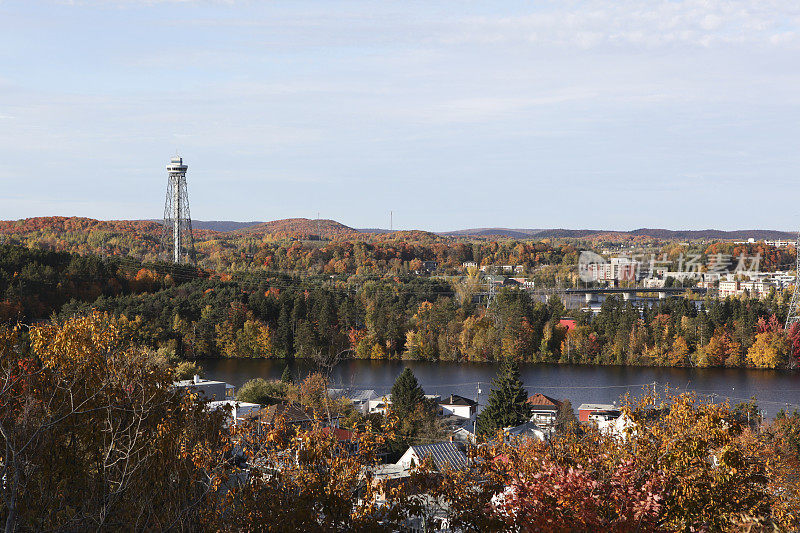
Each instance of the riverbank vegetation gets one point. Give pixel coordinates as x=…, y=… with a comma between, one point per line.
x=192, y=314
x=95, y=438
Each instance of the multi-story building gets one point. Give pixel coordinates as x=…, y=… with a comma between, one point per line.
x=728, y=288
x=757, y=288
x=618, y=269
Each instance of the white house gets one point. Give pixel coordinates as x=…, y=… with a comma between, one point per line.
x=379, y=405
x=544, y=409
x=238, y=410
x=463, y=435
x=527, y=430
x=459, y=406
x=618, y=427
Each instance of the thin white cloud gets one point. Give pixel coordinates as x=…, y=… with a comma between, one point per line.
x=648, y=23
x=122, y=3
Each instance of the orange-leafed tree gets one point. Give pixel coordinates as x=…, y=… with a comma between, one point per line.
x=94, y=438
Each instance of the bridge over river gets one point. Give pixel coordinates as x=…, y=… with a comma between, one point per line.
x=628, y=293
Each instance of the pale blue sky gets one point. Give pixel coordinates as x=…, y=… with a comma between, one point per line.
x=618, y=114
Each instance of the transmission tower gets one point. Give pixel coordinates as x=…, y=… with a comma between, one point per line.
x=176, y=236
x=794, y=308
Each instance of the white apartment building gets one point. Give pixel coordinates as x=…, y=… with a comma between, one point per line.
x=618, y=269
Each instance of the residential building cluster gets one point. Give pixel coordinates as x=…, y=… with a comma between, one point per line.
x=759, y=285
x=505, y=269
x=457, y=413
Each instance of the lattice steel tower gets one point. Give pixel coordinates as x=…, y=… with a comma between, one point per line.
x=794, y=308
x=176, y=236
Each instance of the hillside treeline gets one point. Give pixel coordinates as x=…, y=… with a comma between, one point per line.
x=289, y=247
x=408, y=317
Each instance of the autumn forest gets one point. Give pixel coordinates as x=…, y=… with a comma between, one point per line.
x=275, y=292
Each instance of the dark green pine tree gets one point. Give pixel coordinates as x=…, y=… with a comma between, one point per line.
x=305, y=339
x=283, y=335
x=406, y=394
x=508, y=402
x=286, y=377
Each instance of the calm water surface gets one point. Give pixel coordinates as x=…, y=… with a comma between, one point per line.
x=774, y=390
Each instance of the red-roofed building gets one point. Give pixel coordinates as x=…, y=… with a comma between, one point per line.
x=345, y=437
x=341, y=434
x=544, y=409
x=568, y=323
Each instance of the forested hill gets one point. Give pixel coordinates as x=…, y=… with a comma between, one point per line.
x=304, y=228
x=326, y=229
x=76, y=224
x=194, y=314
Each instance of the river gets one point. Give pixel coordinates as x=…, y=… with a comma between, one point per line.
x=773, y=389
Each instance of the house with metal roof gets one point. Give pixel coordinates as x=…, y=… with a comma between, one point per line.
x=445, y=455
x=527, y=430
x=359, y=398
x=208, y=390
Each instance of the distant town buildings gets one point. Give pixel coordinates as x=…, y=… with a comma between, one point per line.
x=505, y=269
x=777, y=243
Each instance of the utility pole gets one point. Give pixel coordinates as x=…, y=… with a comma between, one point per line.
x=391, y=221
x=477, y=406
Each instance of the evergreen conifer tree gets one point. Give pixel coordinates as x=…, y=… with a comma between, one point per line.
x=406, y=394
x=286, y=377
x=508, y=402
x=283, y=334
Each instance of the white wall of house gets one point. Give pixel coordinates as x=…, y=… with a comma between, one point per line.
x=378, y=405
x=543, y=417
x=238, y=410
x=461, y=411
x=407, y=458
x=618, y=427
